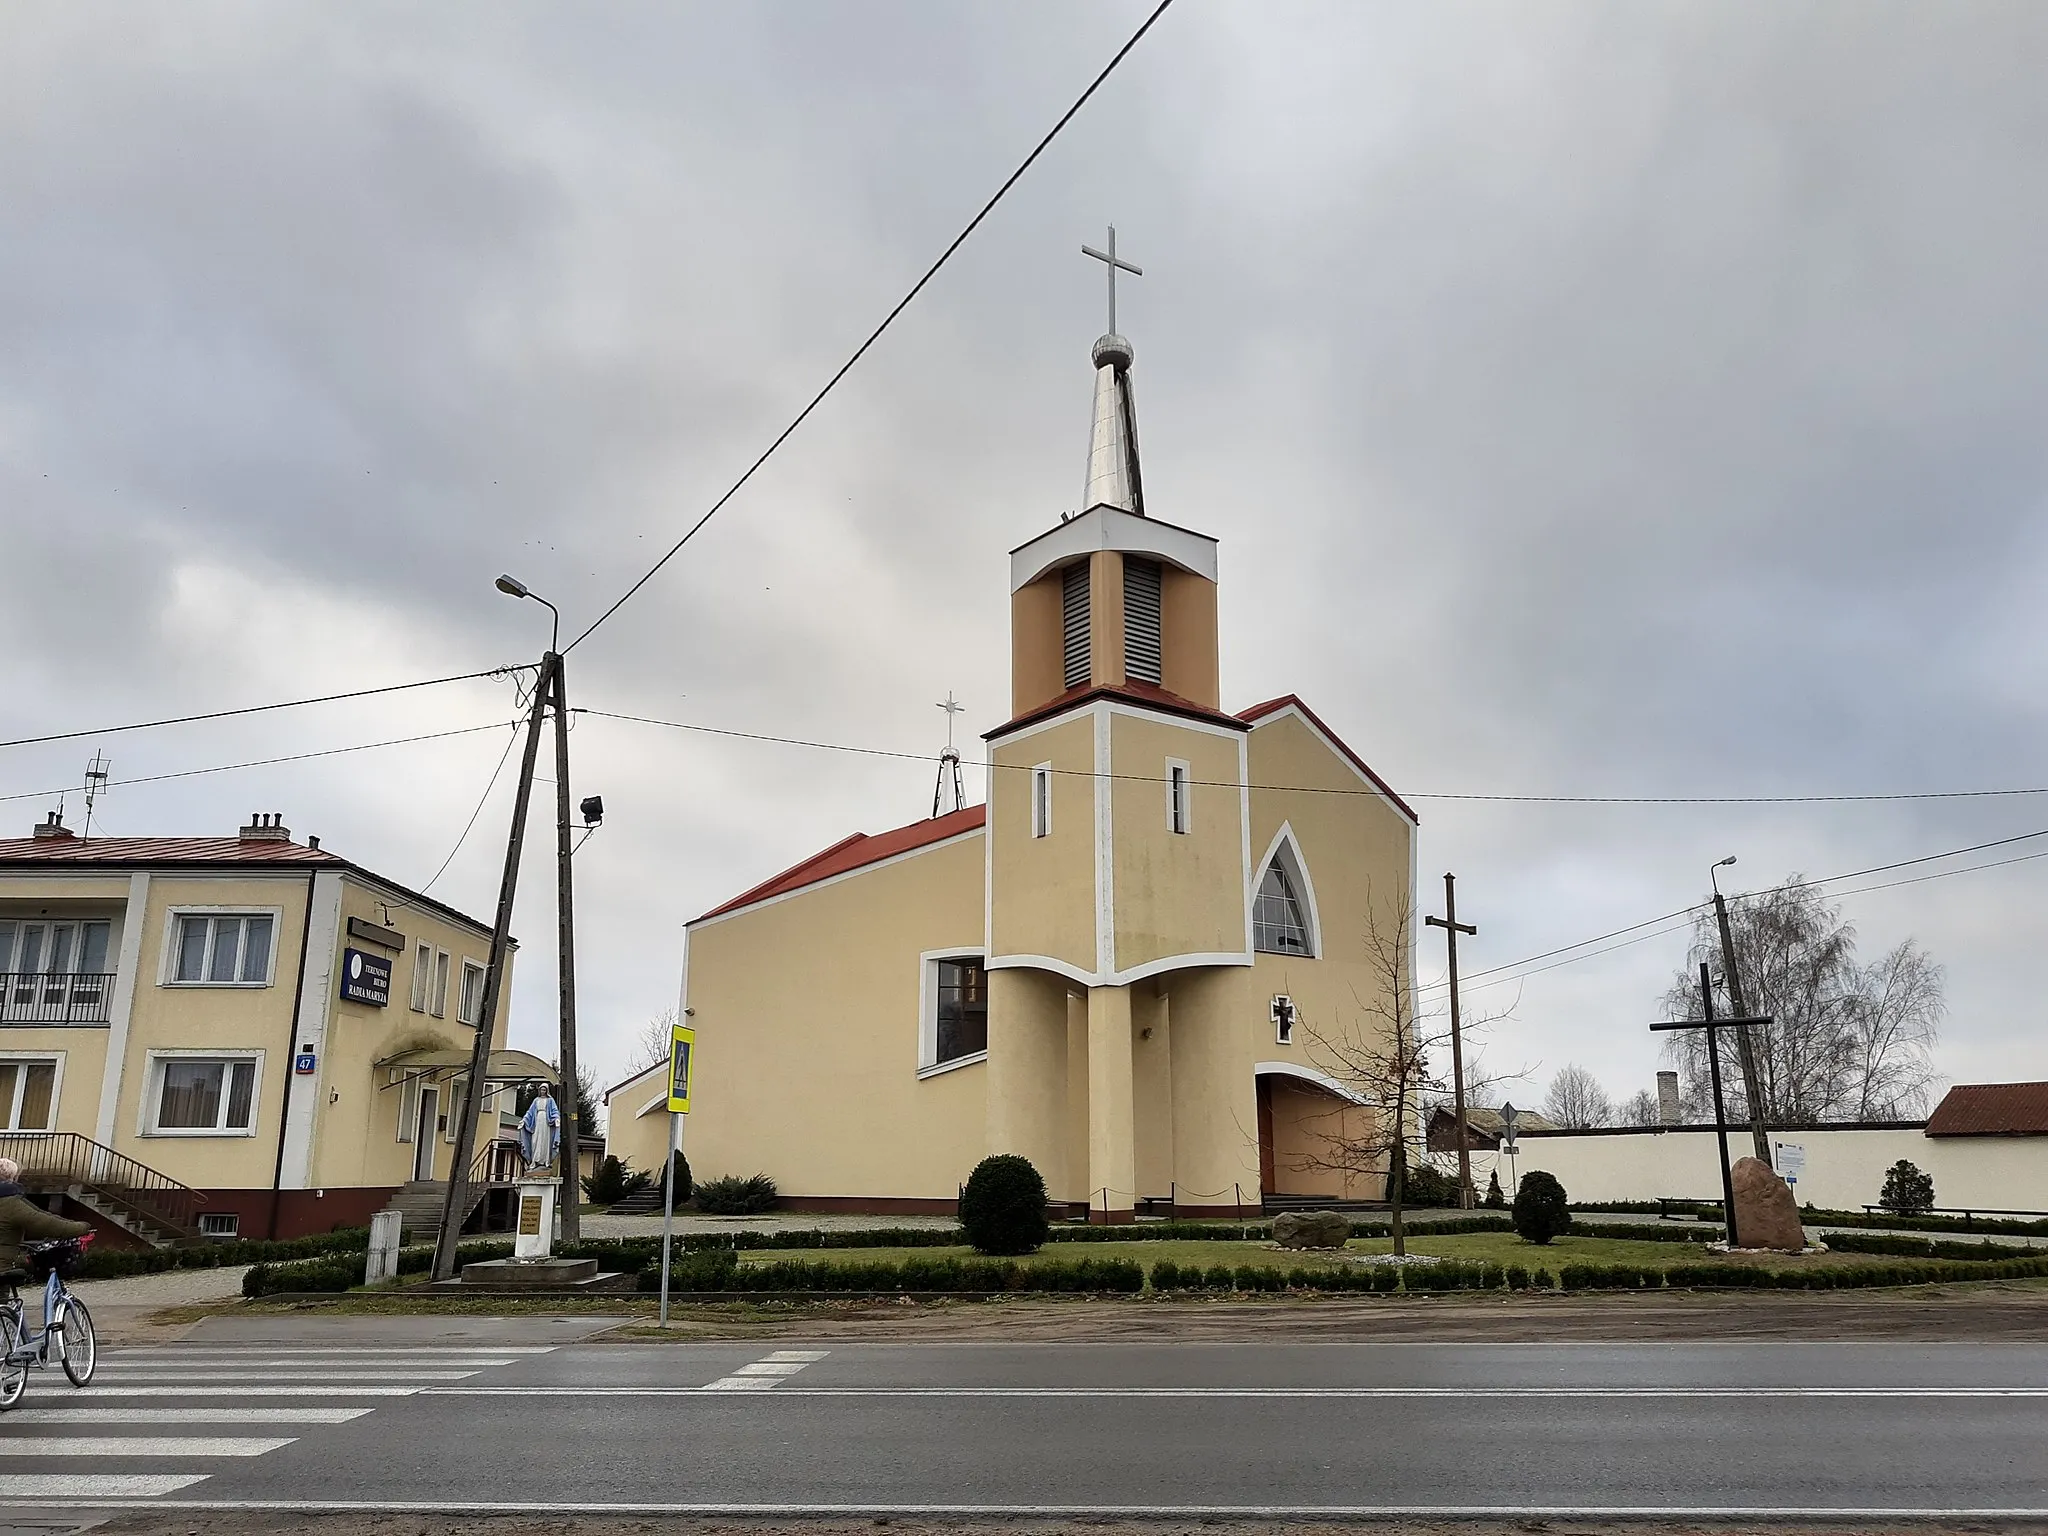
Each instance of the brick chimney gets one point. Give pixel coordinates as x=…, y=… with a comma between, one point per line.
x=266, y=828
x=53, y=828
x=1667, y=1098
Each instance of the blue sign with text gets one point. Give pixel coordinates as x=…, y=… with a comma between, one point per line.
x=365, y=978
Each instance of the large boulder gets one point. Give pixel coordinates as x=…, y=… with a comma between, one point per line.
x=1311, y=1229
x=1766, y=1214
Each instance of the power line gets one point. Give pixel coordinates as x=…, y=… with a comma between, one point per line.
x=266, y=762
x=470, y=825
x=1313, y=789
x=258, y=709
x=1493, y=972
x=888, y=320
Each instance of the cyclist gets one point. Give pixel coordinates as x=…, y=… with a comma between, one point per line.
x=21, y=1221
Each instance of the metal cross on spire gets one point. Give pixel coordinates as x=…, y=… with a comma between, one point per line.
x=1115, y=264
x=949, y=765
x=952, y=707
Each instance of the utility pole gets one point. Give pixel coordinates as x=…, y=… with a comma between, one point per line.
x=1745, y=1048
x=565, y=916
x=1452, y=928
x=455, y=1207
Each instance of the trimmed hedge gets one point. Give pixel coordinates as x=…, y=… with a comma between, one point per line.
x=1644, y=1232
x=1928, y=1248
x=952, y=1276
x=113, y=1263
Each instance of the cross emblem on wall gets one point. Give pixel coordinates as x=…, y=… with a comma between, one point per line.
x=1283, y=1018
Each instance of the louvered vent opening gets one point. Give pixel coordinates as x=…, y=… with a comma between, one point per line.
x=1074, y=621
x=1141, y=620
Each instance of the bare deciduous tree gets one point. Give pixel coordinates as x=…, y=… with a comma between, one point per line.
x=1846, y=1041
x=651, y=1044
x=1384, y=1056
x=1639, y=1109
x=1576, y=1101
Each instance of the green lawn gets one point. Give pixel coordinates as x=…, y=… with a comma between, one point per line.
x=1472, y=1247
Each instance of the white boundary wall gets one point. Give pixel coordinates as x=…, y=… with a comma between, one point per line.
x=1845, y=1165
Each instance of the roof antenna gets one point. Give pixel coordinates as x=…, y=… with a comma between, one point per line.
x=949, y=760
x=95, y=784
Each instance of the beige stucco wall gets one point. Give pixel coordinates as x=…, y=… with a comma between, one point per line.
x=1027, y=1071
x=1356, y=850
x=1037, y=657
x=1044, y=887
x=1311, y=1129
x=354, y=1123
x=1188, y=659
x=640, y=1141
x=807, y=1018
x=1845, y=1167
x=357, y=1116
x=170, y=1017
x=1175, y=893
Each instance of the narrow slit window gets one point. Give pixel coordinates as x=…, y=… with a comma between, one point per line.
x=1179, y=816
x=1141, y=620
x=1074, y=623
x=1041, y=800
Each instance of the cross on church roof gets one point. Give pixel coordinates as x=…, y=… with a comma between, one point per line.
x=1115, y=264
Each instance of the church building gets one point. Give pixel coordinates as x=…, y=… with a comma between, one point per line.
x=1120, y=967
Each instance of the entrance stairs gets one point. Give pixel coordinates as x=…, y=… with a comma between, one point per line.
x=419, y=1203
x=645, y=1201
x=139, y=1199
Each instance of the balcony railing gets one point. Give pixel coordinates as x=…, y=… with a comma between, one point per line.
x=29, y=997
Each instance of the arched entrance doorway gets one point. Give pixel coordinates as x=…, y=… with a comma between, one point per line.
x=1313, y=1133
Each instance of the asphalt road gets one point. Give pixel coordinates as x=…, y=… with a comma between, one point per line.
x=1291, y=1429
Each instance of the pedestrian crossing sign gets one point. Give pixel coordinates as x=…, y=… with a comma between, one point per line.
x=682, y=1041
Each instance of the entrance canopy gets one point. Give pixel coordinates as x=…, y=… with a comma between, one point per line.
x=438, y=1064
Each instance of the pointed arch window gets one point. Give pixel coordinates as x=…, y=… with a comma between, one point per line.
x=1282, y=909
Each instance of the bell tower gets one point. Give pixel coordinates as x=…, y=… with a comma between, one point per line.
x=1117, y=818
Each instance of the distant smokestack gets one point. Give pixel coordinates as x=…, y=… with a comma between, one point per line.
x=1667, y=1098
x=53, y=828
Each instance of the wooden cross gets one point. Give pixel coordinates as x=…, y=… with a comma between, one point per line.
x=1709, y=1023
x=1115, y=264
x=1452, y=928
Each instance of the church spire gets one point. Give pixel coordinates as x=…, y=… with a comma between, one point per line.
x=1113, y=478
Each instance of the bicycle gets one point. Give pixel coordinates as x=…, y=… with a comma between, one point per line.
x=65, y=1318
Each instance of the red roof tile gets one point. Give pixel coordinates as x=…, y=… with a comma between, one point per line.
x=157, y=850
x=1992, y=1109
x=856, y=852
x=1137, y=693
x=1271, y=707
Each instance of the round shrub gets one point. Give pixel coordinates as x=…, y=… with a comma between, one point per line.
x=1002, y=1209
x=1540, y=1210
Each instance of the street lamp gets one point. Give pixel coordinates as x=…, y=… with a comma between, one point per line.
x=512, y=586
x=1713, y=875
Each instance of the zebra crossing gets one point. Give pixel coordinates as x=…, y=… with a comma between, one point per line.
x=153, y=1417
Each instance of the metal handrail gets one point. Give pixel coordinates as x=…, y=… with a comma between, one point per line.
x=65, y=1157
x=56, y=997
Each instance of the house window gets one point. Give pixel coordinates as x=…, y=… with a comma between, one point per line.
x=224, y=949
x=204, y=1096
x=1141, y=619
x=1074, y=624
x=1277, y=926
x=28, y=1093
x=1041, y=800
x=437, y=986
x=422, y=973
x=226, y=1224
x=1179, y=811
x=471, y=1007
x=961, y=1019
x=54, y=973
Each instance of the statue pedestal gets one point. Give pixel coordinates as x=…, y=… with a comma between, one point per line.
x=534, y=1223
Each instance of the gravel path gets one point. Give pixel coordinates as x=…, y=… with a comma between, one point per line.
x=172, y=1288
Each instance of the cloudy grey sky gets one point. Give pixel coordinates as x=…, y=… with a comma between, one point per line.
x=1623, y=399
